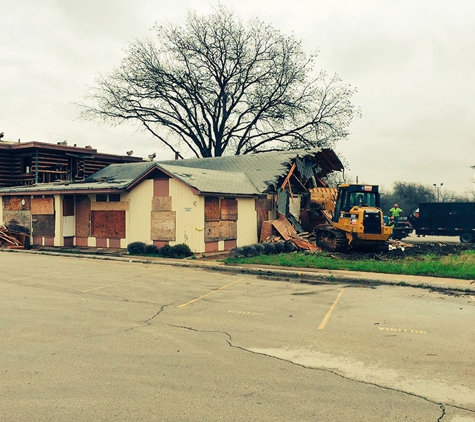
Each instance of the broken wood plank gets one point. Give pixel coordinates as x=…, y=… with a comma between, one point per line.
x=284, y=228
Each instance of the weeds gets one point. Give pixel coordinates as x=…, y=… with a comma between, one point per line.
x=460, y=265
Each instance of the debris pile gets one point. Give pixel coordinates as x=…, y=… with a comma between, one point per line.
x=398, y=244
x=10, y=239
x=301, y=241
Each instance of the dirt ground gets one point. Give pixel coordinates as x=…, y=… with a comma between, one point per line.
x=402, y=249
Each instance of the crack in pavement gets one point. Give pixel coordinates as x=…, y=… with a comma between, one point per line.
x=442, y=406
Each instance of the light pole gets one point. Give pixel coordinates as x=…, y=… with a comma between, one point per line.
x=473, y=168
x=437, y=188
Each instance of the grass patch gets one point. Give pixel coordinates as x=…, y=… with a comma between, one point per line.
x=460, y=266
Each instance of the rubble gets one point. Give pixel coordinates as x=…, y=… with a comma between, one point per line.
x=11, y=239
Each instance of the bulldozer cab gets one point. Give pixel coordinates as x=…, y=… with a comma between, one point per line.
x=350, y=196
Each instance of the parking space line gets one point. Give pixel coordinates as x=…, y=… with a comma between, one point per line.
x=115, y=284
x=324, y=323
x=208, y=294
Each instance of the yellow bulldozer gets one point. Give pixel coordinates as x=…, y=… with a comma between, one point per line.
x=349, y=217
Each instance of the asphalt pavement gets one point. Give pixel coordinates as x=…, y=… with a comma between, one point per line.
x=303, y=275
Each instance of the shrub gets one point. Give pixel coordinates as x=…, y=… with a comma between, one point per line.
x=289, y=247
x=235, y=252
x=279, y=247
x=260, y=250
x=269, y=248
x=150, y=250
x=180, y=251
x=165, y=251
x=249, y=250
x=136, y=248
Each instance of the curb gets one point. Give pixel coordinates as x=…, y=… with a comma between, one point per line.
x=299, y=275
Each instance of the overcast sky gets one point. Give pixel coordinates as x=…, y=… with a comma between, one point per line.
x=412, y=61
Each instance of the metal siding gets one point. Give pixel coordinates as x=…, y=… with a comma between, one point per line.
x=190, y=216
x=58, y=239
x=68, y=226
x=247, y=222
x=138, y=221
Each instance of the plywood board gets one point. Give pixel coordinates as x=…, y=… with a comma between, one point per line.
x=212, y=231
x=220, y=230
x=161, y=187
x=42, y=225
x=16, y=203
x=15, y=219
x=162, y=203
x=110, y=206
x=263, y=204
x=108, y=224
x=283, y=226
x=83, y=216
x=228, y=230
x=42, y=206
x=163, y=225
x=229, y=209
x=212, y=212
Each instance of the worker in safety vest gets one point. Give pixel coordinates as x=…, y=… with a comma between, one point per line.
x=395, y=213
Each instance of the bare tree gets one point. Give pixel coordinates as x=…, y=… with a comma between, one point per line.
x=217, y=84
x=408, y=195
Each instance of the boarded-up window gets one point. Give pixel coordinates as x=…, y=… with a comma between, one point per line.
x=212, y=211
x=220, y=209
x=220, y=230
x=16, y=203
x=163, y=225
x=83, y=216
x=43, y=225
x=221, y=216
x=42, y=206
x=68, y=206
x=162, y=203
x=161, y=187
x=108, y=224
x=229, y=209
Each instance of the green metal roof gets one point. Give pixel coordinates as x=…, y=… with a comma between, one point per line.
x=251, y=174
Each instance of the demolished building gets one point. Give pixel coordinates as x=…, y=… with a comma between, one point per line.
x=210, y=204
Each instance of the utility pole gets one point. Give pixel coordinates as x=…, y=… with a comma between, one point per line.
x=437, y=188
x=473, y=181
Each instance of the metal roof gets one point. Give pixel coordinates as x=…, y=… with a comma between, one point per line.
x=251, y=174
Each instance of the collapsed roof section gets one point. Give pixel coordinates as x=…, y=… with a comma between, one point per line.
x=246, y=175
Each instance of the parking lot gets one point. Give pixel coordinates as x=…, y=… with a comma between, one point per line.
x=89, y=339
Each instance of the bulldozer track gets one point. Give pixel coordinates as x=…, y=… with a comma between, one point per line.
x=330, y=239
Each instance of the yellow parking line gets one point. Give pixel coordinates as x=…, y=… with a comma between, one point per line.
x=208, y=294
x=329, y=313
